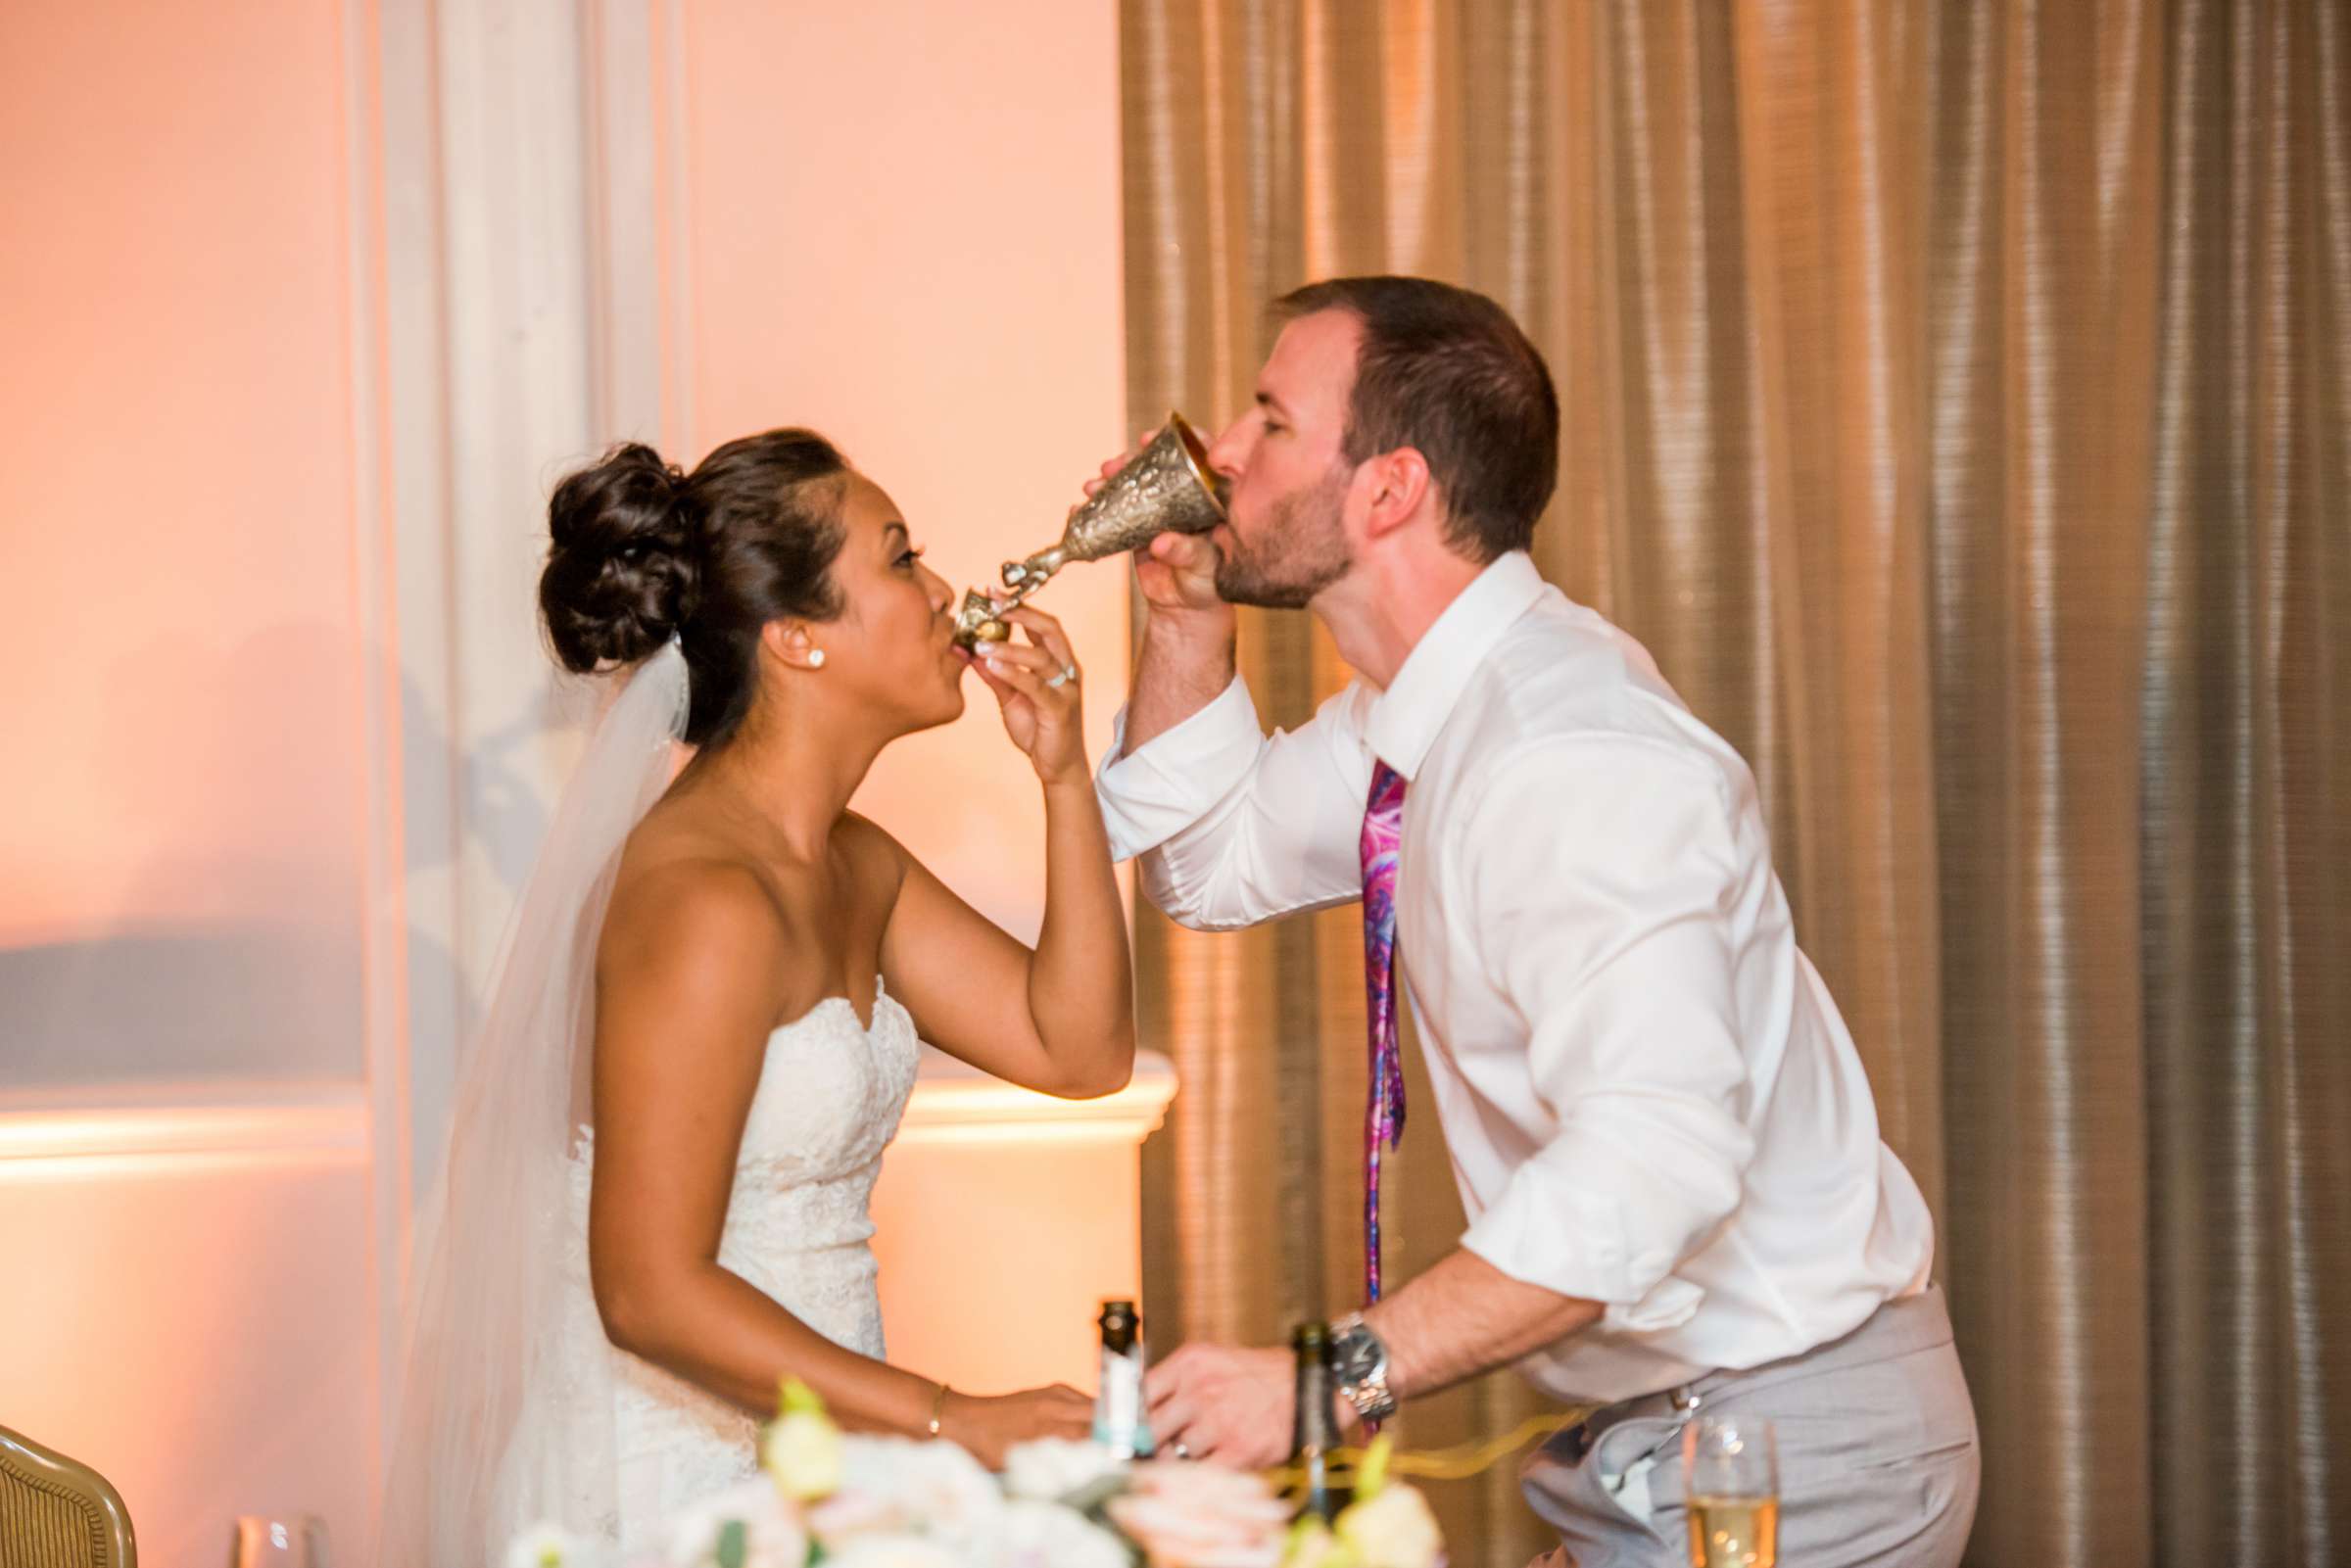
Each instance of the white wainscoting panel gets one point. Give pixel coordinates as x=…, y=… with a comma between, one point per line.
x=185, y=1289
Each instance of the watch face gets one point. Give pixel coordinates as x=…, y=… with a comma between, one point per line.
x=1356, y=1355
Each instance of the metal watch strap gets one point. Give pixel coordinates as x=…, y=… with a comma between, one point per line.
x=1369, y=1394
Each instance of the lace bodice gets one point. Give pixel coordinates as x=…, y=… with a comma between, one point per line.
x=831, y=1092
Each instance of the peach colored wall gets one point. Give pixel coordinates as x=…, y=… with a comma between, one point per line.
x=982, y=1174
x=904, y=229
x=175, y=428
x=898, y=221
x=185, y=1289
x=902, y=226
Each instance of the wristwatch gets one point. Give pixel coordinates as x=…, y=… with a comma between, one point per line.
x=1359, y=1365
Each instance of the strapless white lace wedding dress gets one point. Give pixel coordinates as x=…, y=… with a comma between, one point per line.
x=830, y=1093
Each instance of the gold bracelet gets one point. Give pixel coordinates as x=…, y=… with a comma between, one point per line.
x=938, y=1409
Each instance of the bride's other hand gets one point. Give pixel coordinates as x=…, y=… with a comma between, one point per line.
x=1036, y=685
x=989, y=1426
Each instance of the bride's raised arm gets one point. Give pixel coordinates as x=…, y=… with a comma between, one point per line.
x=1059, y=1018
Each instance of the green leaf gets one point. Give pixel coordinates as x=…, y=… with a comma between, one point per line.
x=734, y=1543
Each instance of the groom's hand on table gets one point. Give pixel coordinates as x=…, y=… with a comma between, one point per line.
x=1222, y=1404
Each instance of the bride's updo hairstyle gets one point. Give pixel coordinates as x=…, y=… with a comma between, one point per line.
x=642, y=552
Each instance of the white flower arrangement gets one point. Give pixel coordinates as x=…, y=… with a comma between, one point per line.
x=850, y=1502
x=1051, y=1469
x=545, y=1546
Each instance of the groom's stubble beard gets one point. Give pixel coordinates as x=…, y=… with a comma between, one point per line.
x=1302, y=548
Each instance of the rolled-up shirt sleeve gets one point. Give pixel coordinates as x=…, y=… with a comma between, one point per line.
x=1601, y=876
x=1231, y=826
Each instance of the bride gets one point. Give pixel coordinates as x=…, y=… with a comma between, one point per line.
x=703, y=1029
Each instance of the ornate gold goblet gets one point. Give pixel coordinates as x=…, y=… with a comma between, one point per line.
x=1168, y=488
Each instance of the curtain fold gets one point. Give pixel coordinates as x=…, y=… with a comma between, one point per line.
x=1958, y=401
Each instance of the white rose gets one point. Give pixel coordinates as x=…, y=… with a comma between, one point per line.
x=1313, y=1546
x=803, y=1452
x=1044, y=1535
x=846, y=1515
x=1049, y=1469
x=1393, y=1528
x=894, y=1552
x=1174, y=1536
x=548, y=1546
x=1184, y=1513
x=933, y=1487
x=772, y=1534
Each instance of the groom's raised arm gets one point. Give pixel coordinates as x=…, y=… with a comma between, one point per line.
x=1231, y=826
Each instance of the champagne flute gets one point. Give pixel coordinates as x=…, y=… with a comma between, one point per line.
x=1731, y=1490
x=295, y=1541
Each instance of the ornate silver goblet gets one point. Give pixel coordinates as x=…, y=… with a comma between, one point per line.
x=1167, y=487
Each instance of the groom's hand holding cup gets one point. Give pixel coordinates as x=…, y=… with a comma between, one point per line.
x=1187, y=652
x=1176, y=572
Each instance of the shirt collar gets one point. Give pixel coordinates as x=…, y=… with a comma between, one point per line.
x=1405, y=719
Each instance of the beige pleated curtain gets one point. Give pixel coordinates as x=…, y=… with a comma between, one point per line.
x=1956, y=401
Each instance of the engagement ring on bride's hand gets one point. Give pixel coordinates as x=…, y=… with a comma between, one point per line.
x=1069, y=673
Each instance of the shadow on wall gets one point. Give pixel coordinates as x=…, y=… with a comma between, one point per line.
x=199, y=913
x=501, y=792
x=198, y=917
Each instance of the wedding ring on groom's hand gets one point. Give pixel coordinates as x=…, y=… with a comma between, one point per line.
x=1069, y=673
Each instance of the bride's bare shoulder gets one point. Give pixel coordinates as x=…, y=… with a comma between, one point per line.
x=686, y=906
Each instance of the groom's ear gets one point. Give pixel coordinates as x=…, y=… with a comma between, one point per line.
x=1400, y=483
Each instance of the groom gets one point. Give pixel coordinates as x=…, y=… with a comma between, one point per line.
x=1678, y=1203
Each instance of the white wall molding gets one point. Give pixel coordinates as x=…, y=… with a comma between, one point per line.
x=624, y=219
x=522, y=319
x=374, y=1118
x=953, y=1103
x=192, y=1288
x=674, y=227
x=328, y=1123
x=422, y=641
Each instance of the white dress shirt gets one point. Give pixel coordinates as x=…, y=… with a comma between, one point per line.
x=1649, y=1099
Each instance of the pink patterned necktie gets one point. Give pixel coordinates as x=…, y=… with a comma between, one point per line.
x=1383, y=832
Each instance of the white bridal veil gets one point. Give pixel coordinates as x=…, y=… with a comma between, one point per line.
x=494, y=1431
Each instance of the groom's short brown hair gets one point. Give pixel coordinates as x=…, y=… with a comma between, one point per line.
x=1447, y=373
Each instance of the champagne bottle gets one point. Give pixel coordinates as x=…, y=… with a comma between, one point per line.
x=1119, y=1423
x=1314, y=1428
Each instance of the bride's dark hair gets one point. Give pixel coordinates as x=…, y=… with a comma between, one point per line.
x=642, y=552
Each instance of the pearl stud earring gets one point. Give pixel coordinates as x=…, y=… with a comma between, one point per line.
x=816, y=658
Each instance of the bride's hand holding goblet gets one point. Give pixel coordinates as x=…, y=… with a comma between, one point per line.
x=1036, y=685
